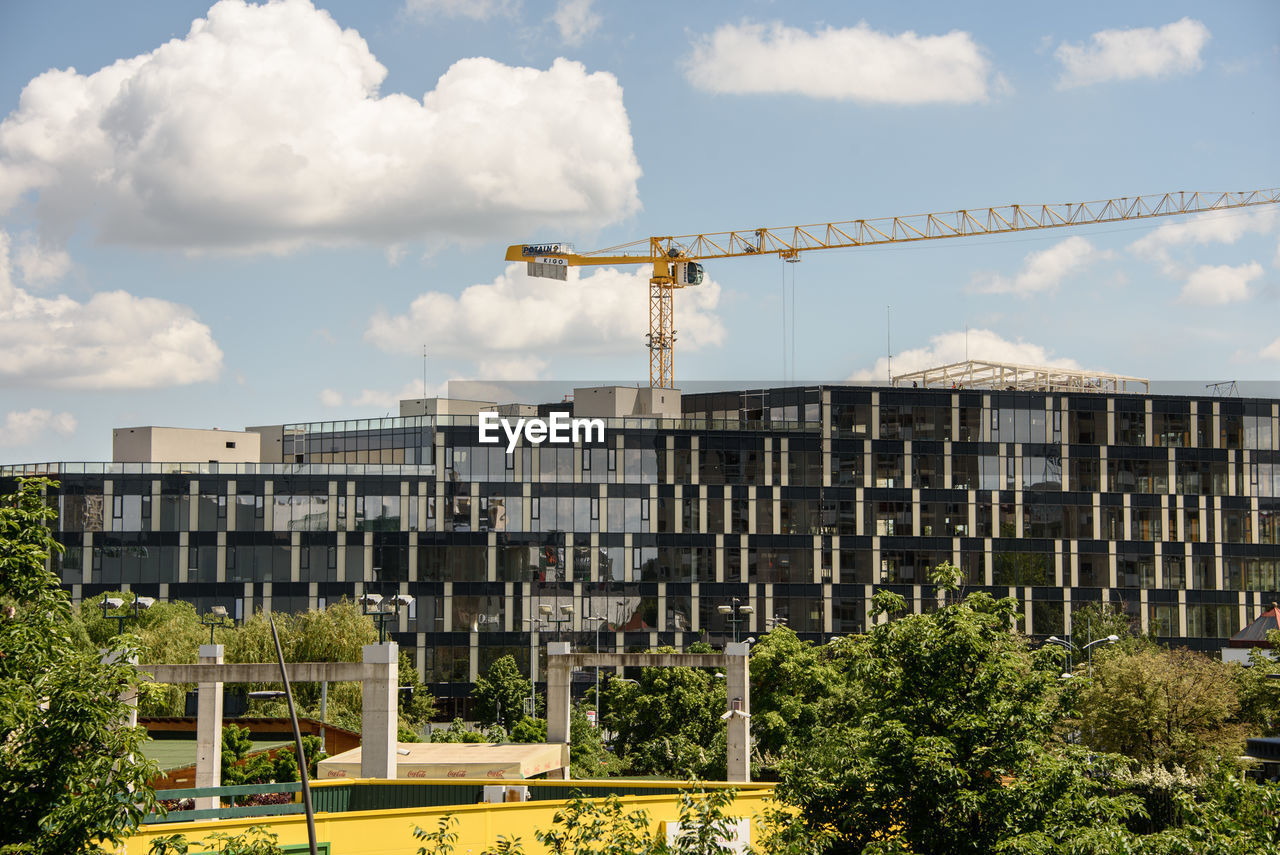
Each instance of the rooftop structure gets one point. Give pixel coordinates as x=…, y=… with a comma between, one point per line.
x=1009, y=376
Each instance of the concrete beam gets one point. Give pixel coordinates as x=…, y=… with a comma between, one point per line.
x=380, y=710
x=209, y=726
x=646, y=660
x=299, y=672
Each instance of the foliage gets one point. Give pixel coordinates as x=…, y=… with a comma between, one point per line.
x=255, y=840
x=70, y=774
x=1222, y=814
x=1096, y=620
x=459, y=732
x=500, y=692
x=443, y=840
x=945, y=743
x=1259, y=695
x=793, y=686
x=588, y=757
x=668, y=722
x=239, y=766
x=598, y=827
x=1172, y=708
x=417, y=706
x=530, y=730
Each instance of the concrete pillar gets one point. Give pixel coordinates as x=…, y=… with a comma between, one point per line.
x=130, y=694
x=209, y=730
x=738, y=688
x=558, y=676
x=379, y=719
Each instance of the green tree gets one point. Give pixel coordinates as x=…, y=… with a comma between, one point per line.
x=793, y=687
x=948, y=745
x=499, y=693
x=588, y=756
x=71, y=775
x=668, y=722
x=1096, y=620
x=1172, y=708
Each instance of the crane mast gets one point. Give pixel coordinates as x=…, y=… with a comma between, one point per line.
x=676, y=260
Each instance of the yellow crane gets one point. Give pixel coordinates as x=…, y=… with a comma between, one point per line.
x=676, y=259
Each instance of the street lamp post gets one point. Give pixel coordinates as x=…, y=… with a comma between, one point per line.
x=734, y=612
x=1109, y=640
x=140, y=604
x=1066, y=646
x=599, y=619
x=383, y=609
x=545, y=611
x=214, y=618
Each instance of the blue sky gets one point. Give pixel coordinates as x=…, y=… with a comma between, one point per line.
x=264, y=216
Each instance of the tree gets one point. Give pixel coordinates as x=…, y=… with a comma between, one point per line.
x=499, y=693
x=71, y=775
x=793, y=686
x=947, y=745
x=1097, y=620
x=1172, y=708
x=668, y=722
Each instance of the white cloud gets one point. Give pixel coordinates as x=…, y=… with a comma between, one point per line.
x=1204, y=229
x=851, y=64
x=1219, y=284
x=523, y=367
x=1043, y=270
x=576, y=20
x=384, y=400
x=605, y=311
x=264, y=129
x=957, y=346
x=27, y=426
x=1271, y=351
x=115, y=340
x=41, y=265
x=1131, y=54
x=477, y=10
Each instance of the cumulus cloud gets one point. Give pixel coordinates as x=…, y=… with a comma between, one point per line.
x=515, y=315
x=1043, y=270
x=576, y=20
x=1272, y=351
x=1219, y=284
x=22, y=427
x=1130, y=54
x=477, y=10
x=953, y=346
x=386, y=400
x=850, y=64
x=263, y=128
x=40, y=265
x=1204, y=229
x=115, y=340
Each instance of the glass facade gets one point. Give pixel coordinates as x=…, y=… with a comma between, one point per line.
x=801, y=502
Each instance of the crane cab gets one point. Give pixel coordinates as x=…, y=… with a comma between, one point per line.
x=689, y=273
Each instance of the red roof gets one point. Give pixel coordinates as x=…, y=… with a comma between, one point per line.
x=1255, y=634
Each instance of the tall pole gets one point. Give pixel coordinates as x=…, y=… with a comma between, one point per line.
x=297, y=741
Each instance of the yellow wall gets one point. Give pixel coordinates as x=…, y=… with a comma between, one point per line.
x=390, y=832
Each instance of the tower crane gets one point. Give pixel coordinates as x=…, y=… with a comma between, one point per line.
x=676, y=260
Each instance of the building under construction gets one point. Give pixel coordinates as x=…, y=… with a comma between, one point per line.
x=702, y=516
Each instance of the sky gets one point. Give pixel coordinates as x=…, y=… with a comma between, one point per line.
x=261, y=213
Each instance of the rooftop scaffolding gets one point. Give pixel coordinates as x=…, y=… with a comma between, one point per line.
x=976, y=374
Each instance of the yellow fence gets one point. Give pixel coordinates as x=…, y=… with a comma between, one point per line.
x=390, y=832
